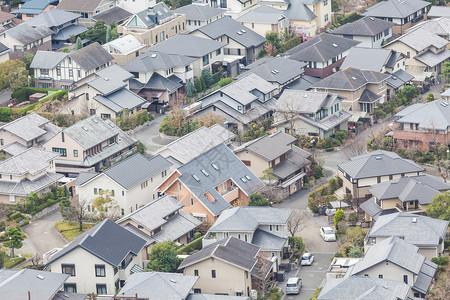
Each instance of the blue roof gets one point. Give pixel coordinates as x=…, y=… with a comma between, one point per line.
x=34, y=7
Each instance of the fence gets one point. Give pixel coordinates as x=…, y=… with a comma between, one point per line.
x=43, y=212
x=139, y=128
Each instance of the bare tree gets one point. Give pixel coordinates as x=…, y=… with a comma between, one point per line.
x=287, y=112
x=36, y=260
x=75, y=212
x=263, y=278
x=297, y=221
x=354, y=148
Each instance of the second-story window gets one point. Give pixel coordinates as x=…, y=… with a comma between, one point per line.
x=75, y=153
x=213, y=273
x=100, y=271
x=68, y=269
x=61, y=151
x=205, y=60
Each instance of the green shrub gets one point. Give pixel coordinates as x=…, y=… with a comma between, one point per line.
x=197, y=235
x=329, y=149
x=24, y=93
x=339, y=254
x=194, y=245
x=16, y=216
x=339, y=216
x=318, y=172
x=440, y=260
x=14, y=262
x=224, y=81
x=216, y=77
x=142, y=117
x=355, y=252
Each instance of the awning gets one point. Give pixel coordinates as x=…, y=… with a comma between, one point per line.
x=292, y=180
x=356, y=115
x=418, y=73
x=231, y=58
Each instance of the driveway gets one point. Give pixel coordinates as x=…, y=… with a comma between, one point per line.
x=43, y=235
x=150, y=136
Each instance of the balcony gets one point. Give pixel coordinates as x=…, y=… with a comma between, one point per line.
x=231, y=195
x=407, y=209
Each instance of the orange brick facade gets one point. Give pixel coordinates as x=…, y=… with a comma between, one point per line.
x=408, y=139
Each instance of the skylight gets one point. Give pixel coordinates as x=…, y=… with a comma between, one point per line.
x=153, y=55
x=216, y=167
x=84, y=128
x=205, y=173
x=244, y=179
x=196, y=178
x=248, y=177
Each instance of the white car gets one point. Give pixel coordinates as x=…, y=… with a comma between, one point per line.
x=293, y=286
x=307, y=259
x=327, y=233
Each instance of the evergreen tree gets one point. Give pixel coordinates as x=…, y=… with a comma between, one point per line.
x=79, y=44
x=108, y=34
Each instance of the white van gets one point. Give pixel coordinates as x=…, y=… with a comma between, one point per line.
x=293, y=286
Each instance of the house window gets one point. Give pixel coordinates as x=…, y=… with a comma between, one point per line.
x=101, y=289
x=405, y=279
x=192, y=201
x=2, y=142
x=197, y=291
x=270, y=228
x=325, y=17
x=218, y=52
x=70, y=73
x=44, y=72
x=68, y=269
x=122, y=212
x=70, y=287
x=179, y=186
x=245, y=237
x=58, y=71
x=381, y=85
x=106, y=116
x=277, y=228
x=79, y=73
x=380, y=276
x=205, y=60
x=100, y=271
x=325, y=2
x=213, y=273
x=391, y=177
x=195, y=272
x=112, y=193
x=61, y=151
x=75, y=153
x=95, y=191
x=408, y=55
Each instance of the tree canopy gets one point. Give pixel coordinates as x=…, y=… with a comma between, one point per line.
x=258, y=200
x=14, y=238
x=163, y=257
x=13, y=75
x=440, y=207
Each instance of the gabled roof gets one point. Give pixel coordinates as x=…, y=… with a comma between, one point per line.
x=367, y=26
x=321, y=48
x=108, y=241
x=115, y=14
x=79, y=5
x=136, y=169
x=157, y=286
x=120, y=100
x=91, y=57
x=34, y=6
x=27, y=34
x=298, y=11
x=368, y=96
x=351, y=79
x=305, y=102
x=395, y=8
x=5, y=16
x=116, y=72
x=269, y=147
x=158, y=82
x=125, y=44
x=378, y=163
x=357, y=58
x=32, y=161
x=416, y=229
x=65, y=33
x=438, y=11
x=106, y=85
x=152, y=60
x=262, y=14
x=420, y=188
x=432, y=59
x=199, y=12
x=268, y=241
x=30, y=127
x=439, y=26
x=241, y=89
x=399, y=78
x=432, y=115
x=214, y=297
x=188, y=45
x=84, y=177
x=47, y=59
x=275, y=69
x=226, y=26
x=41, y=285
x=421, y=39
x=53, y=18
x=231, y=250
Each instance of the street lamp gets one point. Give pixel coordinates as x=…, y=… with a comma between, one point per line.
x=10, y=105
x=12, y=249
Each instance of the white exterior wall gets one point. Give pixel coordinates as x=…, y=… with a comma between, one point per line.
x=135, y=6
x=389, y=271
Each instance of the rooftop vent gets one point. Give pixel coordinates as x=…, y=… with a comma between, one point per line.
x=273, y=72
x=95, y=120
x=66, y=296
x=153, y=55
x=248, y=177
x=240, y=33
x=106, y=79
x=205, y=173
x=414, y=220
x=172, y=280
x=216, y=167
x=276, y=71
x=335, y=46
x=372, y=18
x=111, y=125
x=244, y=179
x=394, y=77
x=84, y=128
x=196, y=178
x=444, y=104
x=243, y=31
x=378, y=157
x=40, y=277
x=354, y=78
x=305, y=96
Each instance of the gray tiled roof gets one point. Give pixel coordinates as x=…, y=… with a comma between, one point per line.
x=366, y=26
x=353, y=287
x=378, y=163
x=65, y=33
x=399, y=78
x=79, y=5
x=107, y=241
x=63, y=295
x=120, y=100
x=304, y=102
x=107, y=85
x=371, y=208
x=304, y=83
x=214, y=297
x=262, y=14
x=47, y=59
x=439, y=26
x=425, y=231
x=199, y=12
x=136, y=169
x=268, y=241
x=232, y=250
x=321, y=48
x=152, y=60
x=421, y=39
x=432, y=59
x=157, y=286
x=368, y=96
x=84, y=177
x=14, y=281
x=357, y=58
x=295, y=161
x=426, y=274
x=241, y=89
x=31, y=126
x=52, y=18
x=27, y=34
x=439, y=11
x=32, y=161
x=275, y=69
x=152, y=16
x=297, y=10
x=432, y=115
x=188, y=45
x=115, y=14
x=395, y=8
x=157, y=82
x=91, y=57
x=24, y=187
x=270, y=147
x=229, y=167
x=14, y=149
x=351, y=79
x=226, y=26
x=115, y=71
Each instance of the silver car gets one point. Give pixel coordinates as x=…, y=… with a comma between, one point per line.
x=293, y=286
x=327, y=233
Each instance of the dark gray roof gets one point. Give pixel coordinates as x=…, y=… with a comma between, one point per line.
x=439, y=11
x=399, y=78
x=426, y=274
x=47, y=59
x=157, y=286
x=66, y=32
x=371, y=208
x=16, y=284
x=136, y=169
x=305, y=102
x=27, y=34
x=84, y=177
x=395, y=8
x=368, y=96
x=421, y=39
x=62, y=295
x=152, y=16
x=367, y=26
x=115, y=14
x=297, y=10
x=321, y=48
x=120, y=100
x=226, y=26
x=91, y=57
x=229, y=167
x=304, y=83
x=378, y=163
x=199, y=12
x=3, y=48
x=275, y=69
x=157, y=82
x=152, y=60
x=357, y=58
x=106, y=85
x=31, y=126
x=262, y=14
x=351, y=79
x=269, y=147
x=295, y=161
x=188, y=45
x=432, y=59
x=116, y=72
x=79, y=5
x=232, y=250
x=425, y=231
x=242, y=89
x=433, y=115
x=53, y=17
x=268, y=241
x=107, y=241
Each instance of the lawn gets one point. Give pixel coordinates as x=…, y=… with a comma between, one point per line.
x=11, y=263
x=70, y=230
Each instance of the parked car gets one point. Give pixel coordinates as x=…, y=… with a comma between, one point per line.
x=327, y=233
x=293, y=286
x=307, y=259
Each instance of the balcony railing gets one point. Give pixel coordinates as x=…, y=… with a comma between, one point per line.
x=231, y=194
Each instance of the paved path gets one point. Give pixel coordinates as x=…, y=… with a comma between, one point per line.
x=150, y=136
x=5, y=96
x=43, y=235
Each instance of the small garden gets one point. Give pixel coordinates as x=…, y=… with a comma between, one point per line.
x=341, y=20
x=328, y=143
x=442, y=279
x=350, y=236
x=127, y=122
x=404, y=96
x=324, y=194
x=70, y=230
x=298, y=247
x=34, y=203
x=206, y=81
x=276, y=43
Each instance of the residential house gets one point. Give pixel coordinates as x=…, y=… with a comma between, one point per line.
x=234, y=8
x=361, y=90
x=424, y=232
x=199, y=15
x=425, y=54
x=31, y=130
x=264, y=19
x=241, y=43
x=230, y=266
x=124, y=49
x=365, y=170
x=87, y=8
x=323, y=54
x=89, y=144
x=279, y=71
x=191, y=145
x=32, y=8
x=4, y=53
x=381, y=60
x=8, y=20
x=424, y=125
x=135, y=6
x=289, y=163
x=446, y=95
x=265, y=227
x=25, y=38
x=405, y=194
x=115, y=14
x=160, y=77
x=99, y=260
x=308, y=17
x=396, y=259
x=371, y=32
x=131, y=182
x=154, y=24
x=206, y=52
x=210, y=183
x=106, y=95
x=439, y=26
x=64, y=25
x=161, y=220
x=403, y=13
x=240, y=103
x=437, y=12
x=34, y=284
x=352, y=287
x=28, y=170
x=318, y=114
x=61, y=70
